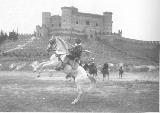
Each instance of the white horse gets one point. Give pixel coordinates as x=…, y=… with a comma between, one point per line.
x=57, y=58
x=60, y=51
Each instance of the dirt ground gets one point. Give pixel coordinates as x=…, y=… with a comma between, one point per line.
x=23, y=92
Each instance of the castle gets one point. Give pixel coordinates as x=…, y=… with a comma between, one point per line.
x=72, y=20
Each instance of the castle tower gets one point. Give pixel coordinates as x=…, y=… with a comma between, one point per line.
x=46, y=21
x=67, y=19
x=107, y=19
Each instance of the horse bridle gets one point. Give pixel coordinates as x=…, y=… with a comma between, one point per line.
x=52, y=42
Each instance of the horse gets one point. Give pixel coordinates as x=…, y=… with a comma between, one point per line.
x=91, y=69
x=60, y=50
x=120, y=72
x=105, y=71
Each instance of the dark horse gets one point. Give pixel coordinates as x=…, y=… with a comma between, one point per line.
x=105, y=71
x=91, y=68
x=120, y=72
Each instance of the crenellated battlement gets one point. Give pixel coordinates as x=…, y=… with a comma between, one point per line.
x=139, y=41
x=118, y=36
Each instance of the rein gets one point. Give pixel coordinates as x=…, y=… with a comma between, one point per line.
x=59, y=57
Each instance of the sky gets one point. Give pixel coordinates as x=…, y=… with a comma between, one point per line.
x=138, y=19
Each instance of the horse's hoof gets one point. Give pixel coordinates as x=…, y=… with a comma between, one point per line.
x=73, y=103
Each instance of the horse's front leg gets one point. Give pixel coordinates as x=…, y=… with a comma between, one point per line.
x=40, y=69
x=36, y=68
x=42, y=66
x=79, y=94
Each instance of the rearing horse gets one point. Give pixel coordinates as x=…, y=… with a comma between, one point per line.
x=60, y=50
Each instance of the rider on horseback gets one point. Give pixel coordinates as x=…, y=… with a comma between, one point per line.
x=74, y=54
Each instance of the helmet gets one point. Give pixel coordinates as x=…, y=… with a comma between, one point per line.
x=78, y=41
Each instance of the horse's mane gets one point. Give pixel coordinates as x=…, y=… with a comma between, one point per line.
x=61, y=45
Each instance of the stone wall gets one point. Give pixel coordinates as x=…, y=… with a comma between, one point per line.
x=86, y=22
x=46, y=17
x=55, y=22
x=116, y=36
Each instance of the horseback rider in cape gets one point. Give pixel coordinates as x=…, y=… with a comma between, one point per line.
x=74, y=55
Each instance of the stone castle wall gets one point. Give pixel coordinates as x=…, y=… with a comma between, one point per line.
x=72, y=19
x=87, y=22
x=55, y=22
x=115, y=36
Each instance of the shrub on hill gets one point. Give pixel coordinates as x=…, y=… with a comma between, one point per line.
x=13, y=36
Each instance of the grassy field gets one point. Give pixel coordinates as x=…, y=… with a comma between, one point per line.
x=23, y=92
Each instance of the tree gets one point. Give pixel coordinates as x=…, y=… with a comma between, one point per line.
x=13, y=36
x=3, y=37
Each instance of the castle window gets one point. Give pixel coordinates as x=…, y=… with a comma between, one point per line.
x=59, y=25
x=96, y=24
x=52, y=25
x=87, y=22
x=76, y=22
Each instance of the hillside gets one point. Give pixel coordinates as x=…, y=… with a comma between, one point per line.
x=117, y=50
x=104, y=48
